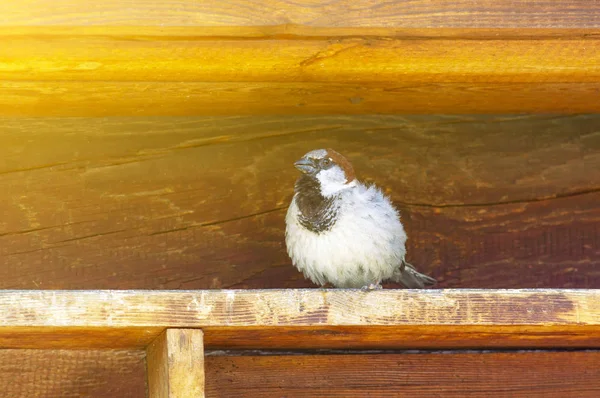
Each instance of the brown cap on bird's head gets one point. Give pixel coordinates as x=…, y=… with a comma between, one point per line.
x=344, y=164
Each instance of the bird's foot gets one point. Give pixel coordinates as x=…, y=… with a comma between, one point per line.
x=372, y=286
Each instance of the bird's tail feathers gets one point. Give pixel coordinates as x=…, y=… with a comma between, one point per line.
x=412, y=279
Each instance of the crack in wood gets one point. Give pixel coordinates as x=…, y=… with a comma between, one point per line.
x=213, y=223
x=331, y=52
x=500, y=203
x=90, y=236
x=28, y=231
x=33, y=168
x=237, y=353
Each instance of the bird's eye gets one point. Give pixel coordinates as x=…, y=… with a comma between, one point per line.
x=325, y=162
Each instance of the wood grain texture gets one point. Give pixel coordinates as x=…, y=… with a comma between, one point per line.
x=419, y=13
x=305, y=319
x=145, y=56
x=79, y=337
x=422, y=337
x=71, y=374
x=101, y=99
x=192, y=203
x=523, y=374
x=175, y=361
x=95, y=71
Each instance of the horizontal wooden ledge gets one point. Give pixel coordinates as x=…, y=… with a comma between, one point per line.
x=307, y=318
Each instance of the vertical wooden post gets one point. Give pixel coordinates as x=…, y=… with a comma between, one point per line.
x=175, y=361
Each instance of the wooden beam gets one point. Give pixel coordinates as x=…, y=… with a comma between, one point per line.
x=35, y=54
x=419, y=13
x=292, y=319
x=176, y=364
x=55, y=71
x=451, y=374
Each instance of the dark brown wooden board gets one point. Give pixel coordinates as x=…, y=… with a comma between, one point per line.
x=523, y=374
x=191, y=203
x=72, y=374
x=99, y=374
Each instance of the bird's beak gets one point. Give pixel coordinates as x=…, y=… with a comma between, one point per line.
x=305, y=165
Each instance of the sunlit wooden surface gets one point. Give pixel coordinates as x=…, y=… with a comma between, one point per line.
x=198, y=203
x=417, y=13
x=149, y=144
x=157, y=71
x=303, y=319
x=175, y=363
x=259, y=340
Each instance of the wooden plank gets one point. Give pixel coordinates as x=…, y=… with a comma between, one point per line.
x=401, y=337
x=80, y=337
x=522, y=374
x=292, y=32
x=313, y=318
x=34, y=55
x=100, y=99
x=199, y=203
x=312, y=337
x=419, y=13
x=57, y=71
x=176, y=364
x=71, y=374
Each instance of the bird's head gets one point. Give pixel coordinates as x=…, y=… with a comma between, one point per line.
x=330, y=169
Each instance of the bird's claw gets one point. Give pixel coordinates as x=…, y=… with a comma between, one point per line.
x=372, y=286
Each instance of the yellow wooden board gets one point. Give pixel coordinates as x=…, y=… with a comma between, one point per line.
x=119, y=71
x=416, y=13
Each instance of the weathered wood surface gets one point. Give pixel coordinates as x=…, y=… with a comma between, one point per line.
x=98, y=99
x=175, y=361
x=72, y=374
x=419, y=13
x=108, y=374
x=195, y=203
x=305, y=319
x=523, y=374
x=58, y=71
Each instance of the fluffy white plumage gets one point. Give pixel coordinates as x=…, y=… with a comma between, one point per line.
x=364, y=246
x=365, y=243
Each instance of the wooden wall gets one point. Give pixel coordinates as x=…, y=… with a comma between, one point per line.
x=405, y=375
x=72, y=374
x=449, y=374
x=198, y=202
x=136, y=151
x=98, y=191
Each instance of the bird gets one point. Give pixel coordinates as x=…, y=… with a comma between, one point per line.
x=344, y=233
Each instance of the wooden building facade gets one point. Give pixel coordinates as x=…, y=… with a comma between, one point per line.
x=150, y=145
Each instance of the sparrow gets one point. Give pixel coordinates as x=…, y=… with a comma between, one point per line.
x=342, y=232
